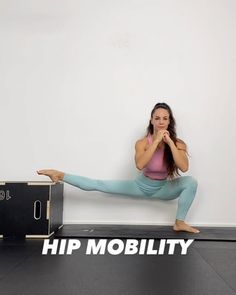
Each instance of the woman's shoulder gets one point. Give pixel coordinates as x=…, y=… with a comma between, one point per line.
x=181, y=144
x=142, y=142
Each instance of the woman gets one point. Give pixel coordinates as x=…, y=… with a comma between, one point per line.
x=160, y=155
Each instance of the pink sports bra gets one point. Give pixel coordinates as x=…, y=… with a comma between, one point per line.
x=156, y=168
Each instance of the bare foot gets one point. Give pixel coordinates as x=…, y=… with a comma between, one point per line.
x=55, y=175
x=182, y=226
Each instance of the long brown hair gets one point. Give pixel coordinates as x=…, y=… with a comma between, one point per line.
x=172, y=169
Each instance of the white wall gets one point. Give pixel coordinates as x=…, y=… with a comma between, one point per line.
x=79, y=80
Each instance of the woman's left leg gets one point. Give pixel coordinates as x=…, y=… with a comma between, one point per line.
x=184, y=188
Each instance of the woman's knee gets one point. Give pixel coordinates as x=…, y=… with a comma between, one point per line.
x=191, y=182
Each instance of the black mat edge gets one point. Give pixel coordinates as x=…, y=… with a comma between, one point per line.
x=152, y=231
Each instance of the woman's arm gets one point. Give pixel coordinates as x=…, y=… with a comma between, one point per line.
x=142, y=156
x=179, y=155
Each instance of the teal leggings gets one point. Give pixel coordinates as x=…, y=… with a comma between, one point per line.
x=183, y=187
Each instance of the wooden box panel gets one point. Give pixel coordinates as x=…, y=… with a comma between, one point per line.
x=30, y=209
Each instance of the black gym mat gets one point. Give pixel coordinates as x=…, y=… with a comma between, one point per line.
x=144, y=231
x=207, y=269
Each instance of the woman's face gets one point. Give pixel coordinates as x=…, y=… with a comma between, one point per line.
x=160, y=119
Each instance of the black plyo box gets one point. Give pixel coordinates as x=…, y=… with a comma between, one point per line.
x=30, y=209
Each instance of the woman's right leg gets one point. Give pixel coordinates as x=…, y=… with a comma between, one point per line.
x=121, y=187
